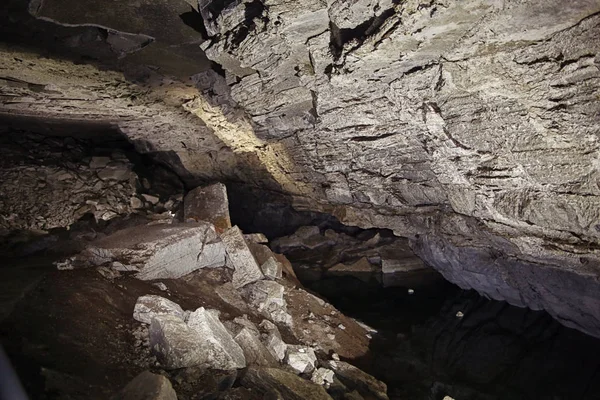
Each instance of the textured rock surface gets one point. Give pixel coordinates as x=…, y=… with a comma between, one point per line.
x=411, y=113
x=147, y=386
x=159, y=251
x=209, y=204
x=221, y=351
x=246, y=270
x=276, y=382
x=175, y=344
x=149, y=306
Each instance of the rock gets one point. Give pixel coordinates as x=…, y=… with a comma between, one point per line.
x=448, y=398
x=108, y=273
x=221, y=350
x=115, y=172
x=361, y=269
x=271, y=269
x=151, y=199
x=158, y=251
x=256, y=238
x=161, y=286
x=302, y=359
x=149, y=306
x=231, y=296
x=254, y=350
x=208, y=203
x=354, y=378
x=285, y=385
x=136, y=203
x=322, y=376
x=267, y=297
x=276, y=346
x=175, y=344
x=99, y=162
x=246, y=270
x=147, y=386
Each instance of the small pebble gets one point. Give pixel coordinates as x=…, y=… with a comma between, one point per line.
x=411, y=291
x=459, y=314
x=335, y=357
x=342, y=327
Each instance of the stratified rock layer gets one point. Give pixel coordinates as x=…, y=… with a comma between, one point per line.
x=469, y=126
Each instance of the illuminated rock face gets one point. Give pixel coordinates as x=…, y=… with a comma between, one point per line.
x=470, y=127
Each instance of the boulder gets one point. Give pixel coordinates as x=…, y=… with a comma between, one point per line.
x=356, y=379
x=175, y=344
x=271, y=269
x=147, y=386
x=150, y=306
x=276, y=346
x=221, y=351
x=267, y=297
x=208, y=203
x=302, y=359
x=277, y=383
x=322, y=376
x=254, y=350
x=256, y=238
x=158, y=251
x=246, y=270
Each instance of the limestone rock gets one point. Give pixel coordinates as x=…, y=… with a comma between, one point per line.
x=159, y=251
x=276, y=346
x=267, y=297
x=175, y=344
x=361, y=269
x=220, y=349
x=256, y=238
x=322, y=376
x=208, y=203
x=276, y=382
x=151, y=199
x=302, y=359
x=254, y=350
x=354, y=378
x=147, y=386
x=271, y=269
x=246, y=270
x=150, y=306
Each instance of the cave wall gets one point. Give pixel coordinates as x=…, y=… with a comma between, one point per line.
x=471, y=127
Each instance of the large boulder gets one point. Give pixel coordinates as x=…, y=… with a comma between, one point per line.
x=220, y=349
x=301, y=359
x=158, y=251
x=150, y=306
x=175, y=344
x=255, y=351
x=356, y=379
x=267, y=297
x=208, y=203
x=281, y=384
x=147, y=386
x=246, y=269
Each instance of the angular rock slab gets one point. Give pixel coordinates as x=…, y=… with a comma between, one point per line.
x=159, y=251
x=150, y=306
x=175, y=344
x=302, y=359
x=267, y=297
x=355, y=378
x=147, y=386
x=272, y=269
x=246, y=270
x=208, y=203
x=273, y=382
x=219, y=347
x=254, y=350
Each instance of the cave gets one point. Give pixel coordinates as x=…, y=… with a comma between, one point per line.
x=367, y=199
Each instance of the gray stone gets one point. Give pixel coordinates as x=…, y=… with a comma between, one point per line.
x=256, y=238
x=275, y=345
x=159, y=251
x=361, y=269
x=322, y=376
x=208, y=203
x=136, y=203
x=99, y=162
x=220, y=349
x=151, y=199
x=149, y=306
x=354, y=378
x=115, y=172
x=283, y=384
x=147, y=386
x=271, y=269
x=255, y=351
x=267, y=297
x=301, y=359
x=175, y=344
x=246, y=270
